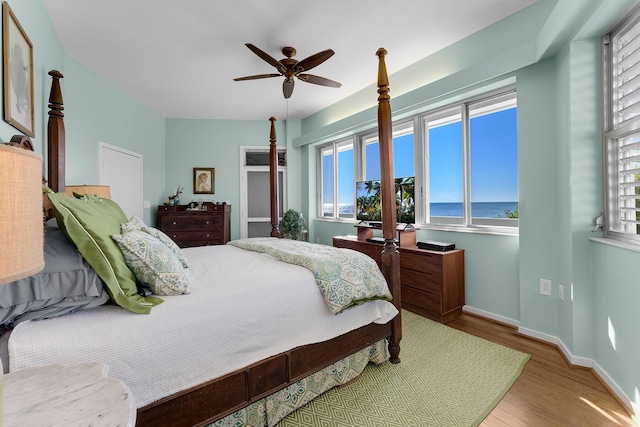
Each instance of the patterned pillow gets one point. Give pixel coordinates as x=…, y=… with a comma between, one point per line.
x=153, y=263
x=168, y=242
x=133, y=224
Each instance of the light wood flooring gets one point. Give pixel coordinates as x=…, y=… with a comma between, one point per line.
x=549, y=392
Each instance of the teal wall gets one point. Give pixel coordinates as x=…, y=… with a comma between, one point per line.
x=550, y=51
x=557, y=75
x=215, y=143
x=95, y=111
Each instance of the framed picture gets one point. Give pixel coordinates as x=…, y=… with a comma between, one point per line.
x=203, y=180
x=17, y=52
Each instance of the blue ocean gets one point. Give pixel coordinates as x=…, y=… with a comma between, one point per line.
x=478, y=209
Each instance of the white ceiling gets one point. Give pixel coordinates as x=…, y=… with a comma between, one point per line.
x=180, y=57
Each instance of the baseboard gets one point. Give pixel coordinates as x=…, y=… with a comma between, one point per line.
x=491, y=316
x=585, y=362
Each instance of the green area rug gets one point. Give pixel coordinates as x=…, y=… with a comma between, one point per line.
x=446, y=378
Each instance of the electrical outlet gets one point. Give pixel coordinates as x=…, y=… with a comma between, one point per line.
x=545, y=287
x=561, y=292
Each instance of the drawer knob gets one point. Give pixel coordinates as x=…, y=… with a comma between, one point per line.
x=174, y=223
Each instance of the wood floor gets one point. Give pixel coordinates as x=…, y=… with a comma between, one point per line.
x=549, y=392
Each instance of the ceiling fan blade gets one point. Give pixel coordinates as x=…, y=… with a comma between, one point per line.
x=287, y=88
x=257, y=76
x=314, y=60
x=317, y=80
x=266, y=57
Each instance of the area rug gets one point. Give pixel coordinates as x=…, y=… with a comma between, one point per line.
x=446, y=378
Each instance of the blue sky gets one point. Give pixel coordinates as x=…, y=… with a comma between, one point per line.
x=494, y=162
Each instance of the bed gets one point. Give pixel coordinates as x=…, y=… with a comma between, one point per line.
x=250, y=337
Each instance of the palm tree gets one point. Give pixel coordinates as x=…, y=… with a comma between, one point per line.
x=405, y=205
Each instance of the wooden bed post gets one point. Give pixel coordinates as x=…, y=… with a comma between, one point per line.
x=55, y=135
x=273, y=179
x=390, y=254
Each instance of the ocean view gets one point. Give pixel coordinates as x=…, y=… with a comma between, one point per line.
x=478, y=209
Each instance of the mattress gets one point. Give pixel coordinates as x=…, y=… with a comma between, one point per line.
x=242, y=307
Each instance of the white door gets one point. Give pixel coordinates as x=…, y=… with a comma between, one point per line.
x=121, y=170
x=255, y=196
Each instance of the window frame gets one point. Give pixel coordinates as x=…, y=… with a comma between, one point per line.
x=421, y=167
x=614, y=132
x=334, y=147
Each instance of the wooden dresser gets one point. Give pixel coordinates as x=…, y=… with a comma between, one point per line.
x=196, y=227
x=432, y=282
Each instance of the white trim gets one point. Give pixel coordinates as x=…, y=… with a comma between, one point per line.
x=616, y=243
x=617, y=390
x=491, y=316
x=572, y=360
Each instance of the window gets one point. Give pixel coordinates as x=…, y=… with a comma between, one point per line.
x=403, y=152
x=621, y=50
x=472, y=163
x=337, y=180
x=464, y=160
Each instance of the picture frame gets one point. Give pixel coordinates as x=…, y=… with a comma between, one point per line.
x=204, y=180
x=17, y=52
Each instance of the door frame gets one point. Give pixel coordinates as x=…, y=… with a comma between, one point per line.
x=244, y=192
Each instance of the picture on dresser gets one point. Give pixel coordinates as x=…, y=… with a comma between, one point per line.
x=203, y=180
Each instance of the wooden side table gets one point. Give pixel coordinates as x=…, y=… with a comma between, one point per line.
x=75, y=395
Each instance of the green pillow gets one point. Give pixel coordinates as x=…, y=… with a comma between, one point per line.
x=89, y=224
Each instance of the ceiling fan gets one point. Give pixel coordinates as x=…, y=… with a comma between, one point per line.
x=290, y=68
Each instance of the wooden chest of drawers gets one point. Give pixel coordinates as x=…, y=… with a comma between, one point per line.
x=432, y=282
x=196, y=228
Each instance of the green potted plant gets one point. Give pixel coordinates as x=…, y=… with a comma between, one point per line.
x=293, y=225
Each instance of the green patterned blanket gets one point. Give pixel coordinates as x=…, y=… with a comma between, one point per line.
x=345, y=277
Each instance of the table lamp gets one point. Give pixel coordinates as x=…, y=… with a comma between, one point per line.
x=21, y=220
x=101, y=190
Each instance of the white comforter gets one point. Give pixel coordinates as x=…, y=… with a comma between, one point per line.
x=243, y=307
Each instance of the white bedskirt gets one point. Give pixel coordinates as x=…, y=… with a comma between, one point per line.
x=243, y=307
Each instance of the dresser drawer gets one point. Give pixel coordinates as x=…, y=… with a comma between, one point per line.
x=423, y=262
x=423, y=281
x=183, y=222
x=203, y=236
x=425, y=300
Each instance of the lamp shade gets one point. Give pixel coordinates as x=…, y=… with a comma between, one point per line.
x=100, y=190
x=21, y=221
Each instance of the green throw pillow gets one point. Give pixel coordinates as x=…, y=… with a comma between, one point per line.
x=153, y=263
x=89, y=224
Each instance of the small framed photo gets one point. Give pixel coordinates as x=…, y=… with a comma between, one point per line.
x=204, y=180
x=17, y=52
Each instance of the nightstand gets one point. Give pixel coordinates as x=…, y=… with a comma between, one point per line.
x=74, y=395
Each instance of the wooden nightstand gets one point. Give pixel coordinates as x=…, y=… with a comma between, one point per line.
x=432, y=282
x=75, y=395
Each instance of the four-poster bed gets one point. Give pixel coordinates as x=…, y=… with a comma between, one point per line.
x=273, y=371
